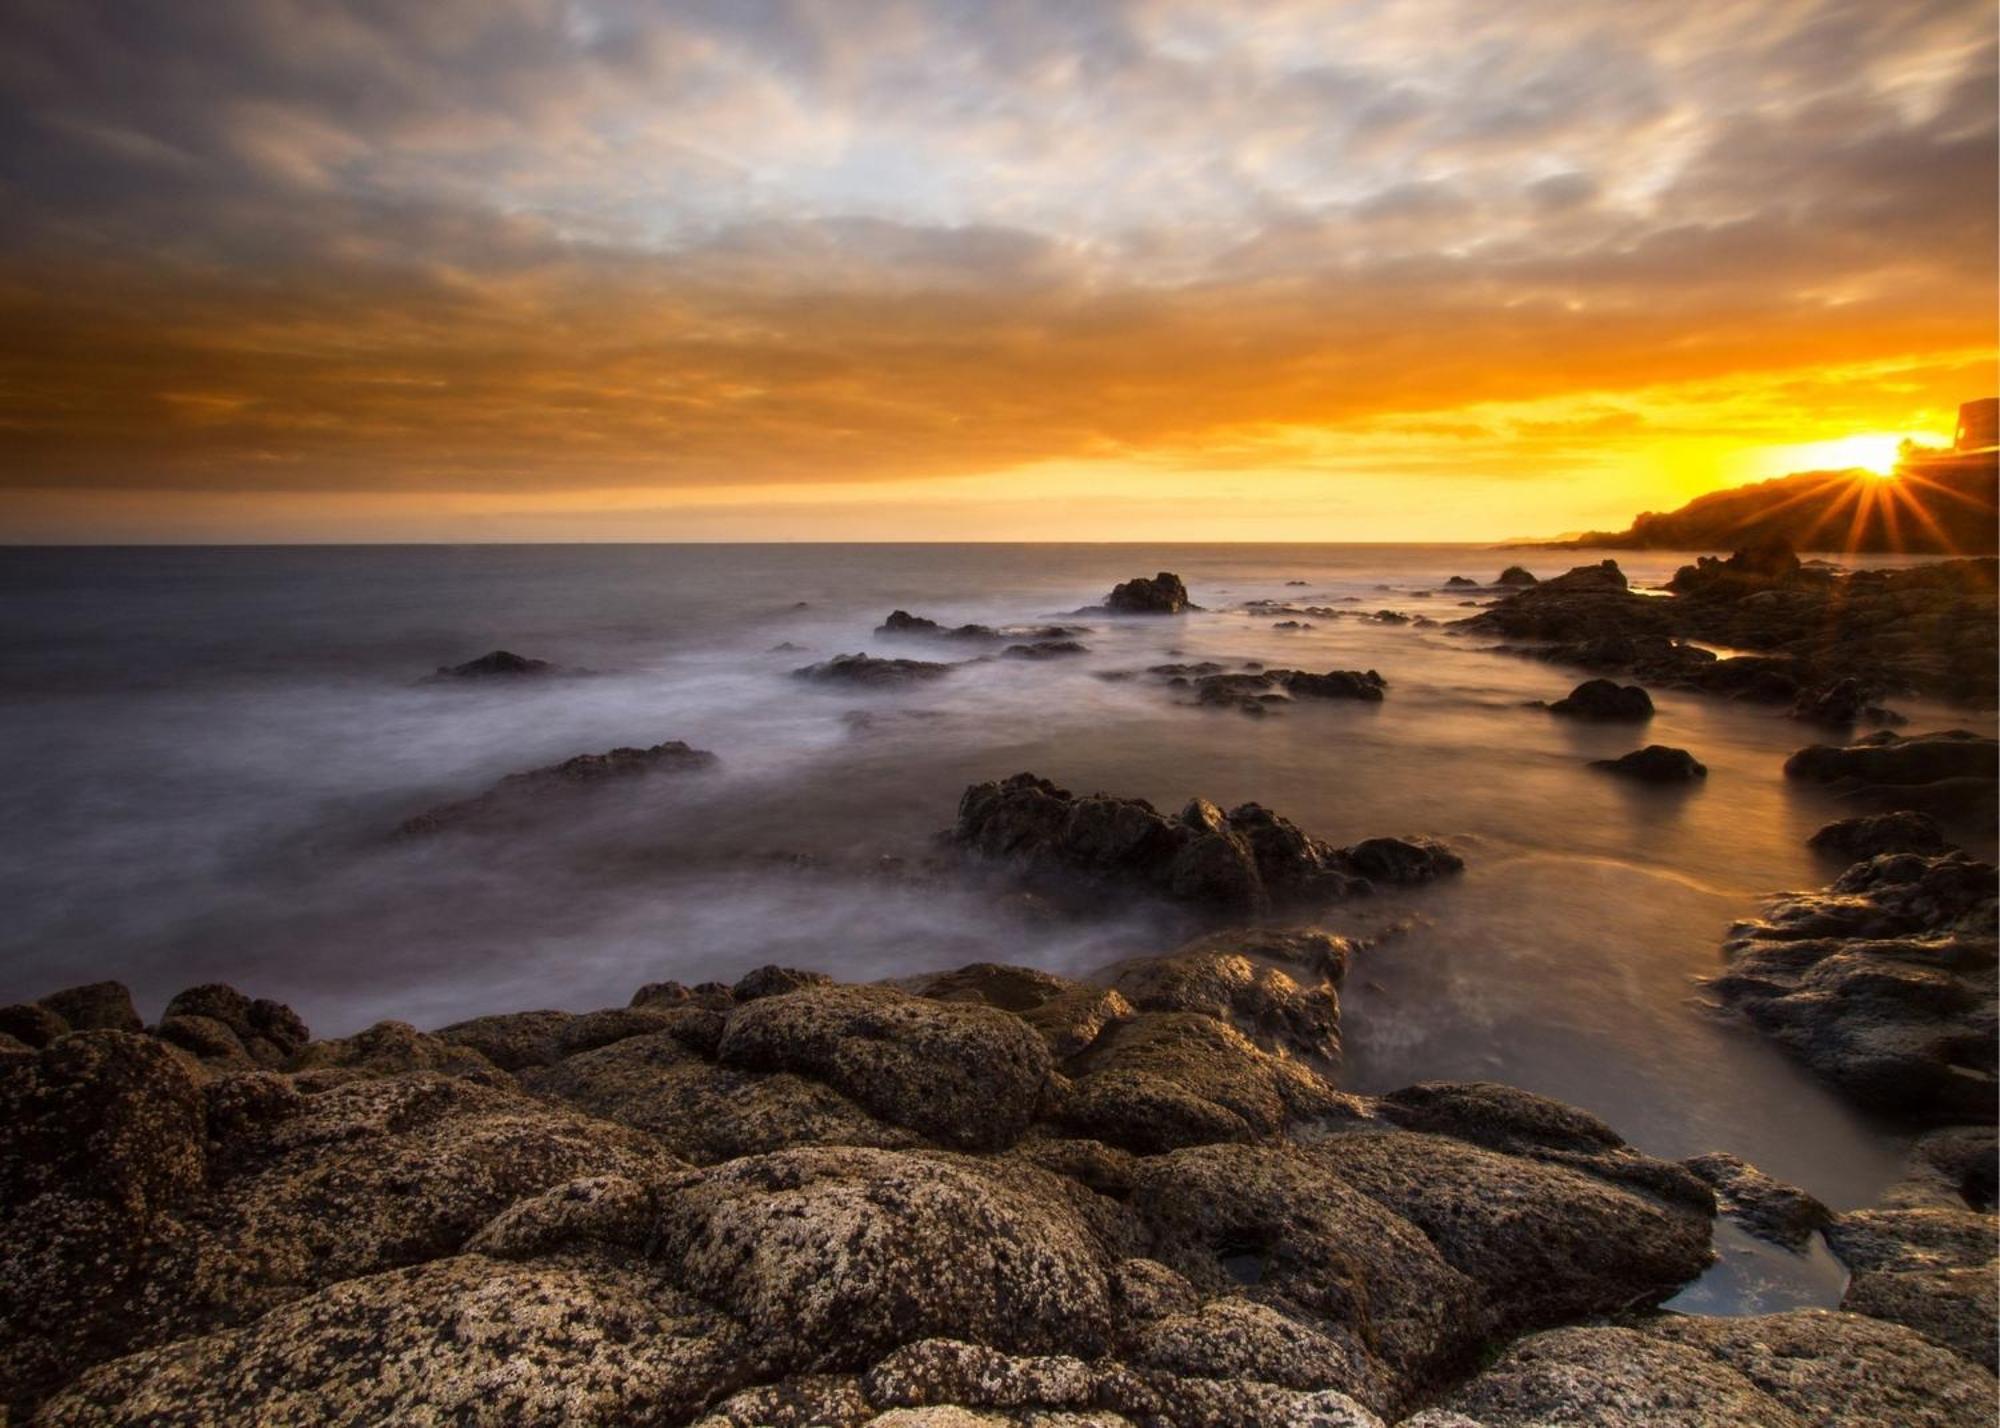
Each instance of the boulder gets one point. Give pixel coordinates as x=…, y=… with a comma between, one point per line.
x=1656, y=763
x=268, y=1032
x=1516, y=575
x=1605, y=699
x=497, y=664
x=1769, y=1209
x=963, y=1075
x=1872, y=835
x=98, y=1006
x=1164, y=594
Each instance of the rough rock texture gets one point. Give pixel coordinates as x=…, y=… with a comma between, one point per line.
x=1928, y=629
x=521, y=798
x=1874, y=834
x=993, y=1195
x=864, y=671
x=1605, y=699
x=1164, y=594
x=1257, y=691
x=1769, y=1209
x=1882, y=983
x=1656, y=763
x=1244, y=861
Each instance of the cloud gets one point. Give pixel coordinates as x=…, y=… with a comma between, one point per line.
x=529, y=245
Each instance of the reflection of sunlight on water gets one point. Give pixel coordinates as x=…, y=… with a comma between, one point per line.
x=1753, y=1276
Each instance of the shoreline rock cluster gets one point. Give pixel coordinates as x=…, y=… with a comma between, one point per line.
x=990, y=1196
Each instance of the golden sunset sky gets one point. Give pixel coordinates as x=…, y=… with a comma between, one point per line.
x=974, y=269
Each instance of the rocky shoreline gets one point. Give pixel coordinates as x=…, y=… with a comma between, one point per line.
x=994, y=1195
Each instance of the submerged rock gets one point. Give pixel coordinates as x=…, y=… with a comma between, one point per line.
x=1245, y=860
x=499, y=664
x=1656, y=763
x=521, y=798
x=1164, y=594
x=868, y=672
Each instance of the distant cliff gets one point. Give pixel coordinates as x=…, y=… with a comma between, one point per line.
x=1937, y=504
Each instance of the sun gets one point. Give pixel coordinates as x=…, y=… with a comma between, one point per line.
x=1875, y=452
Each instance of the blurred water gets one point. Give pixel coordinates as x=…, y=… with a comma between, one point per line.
x=204, y=748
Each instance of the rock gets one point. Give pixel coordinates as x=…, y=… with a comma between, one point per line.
x=1656, y=763
x=436, y=1343
x=1164, y=594
x=99, y=1006
x=1516, y=575
x=1244, y=861
x=1843, y=703
x=708, y=1113
x=1776, y=1371
x=519, y=799
x=1404, y=862
x=1951, y=774
x=513, y=1041
x=1044, y=649
x=391, y=1048
x=268, y=1032
x=773, y=981
x=1160, y=1080
x=1334, y=684
x=1872, y=835
x=959, y=1074
x=838, y=1256
x=1769, y=1209
x=1605, y=699
x=902, y=622
x=499, y=664
x=868, y=672
x=1882, y=983
x=1605, y=575
x=1932, y=1268
x=32, y=1024
x=1263, y=1002
x=1067, y=1015
x=1459, y=582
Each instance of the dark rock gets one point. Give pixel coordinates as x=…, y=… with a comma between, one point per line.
x=268, y=1032
x=1334, y=684
x=32, y=1024
x=1605, y=699
x=1932, y=1268
x=1242, y=861
x=1843, y=703
x=1656, y=763
x=500, y=664
x=868, y=672
x=513, y=1041
x=393, y=1048
x=1459, y=582
x=1769, y=1209
x=1872, y=835
x=1164, y=594
x=1044, y=649
x=902, y=622
x=98, y=1006
x=1882, y=983
x=1894, y=761
x=519, y=799
x=1516, y=575
x=772, y=981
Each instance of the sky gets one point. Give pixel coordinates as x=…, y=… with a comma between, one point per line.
x=974, y=269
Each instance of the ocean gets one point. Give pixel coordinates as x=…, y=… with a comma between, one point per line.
x=207, y=751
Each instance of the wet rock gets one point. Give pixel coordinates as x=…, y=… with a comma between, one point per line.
x=1244, y=861
x=98, y=1006
x=1265, y=1003
x=520, y=799
x=867, y=672
x=1365, y=685
x=1068, y=1015
x=1656, y=763
x=1951, y=775
x=1460, y=582
x=838, y=1256
x=1882, y=983
x=1769, y=1209
x=772, y=981
x=964, y=1075
x=1842, y=704
x=1932, y=1268
x=436, y=1343
x=496, y=665
x=1044, y=649
x=1516, y=575
x=1872, y=835
x=1605, y=699
x=902, y=622
x=1164, y=594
